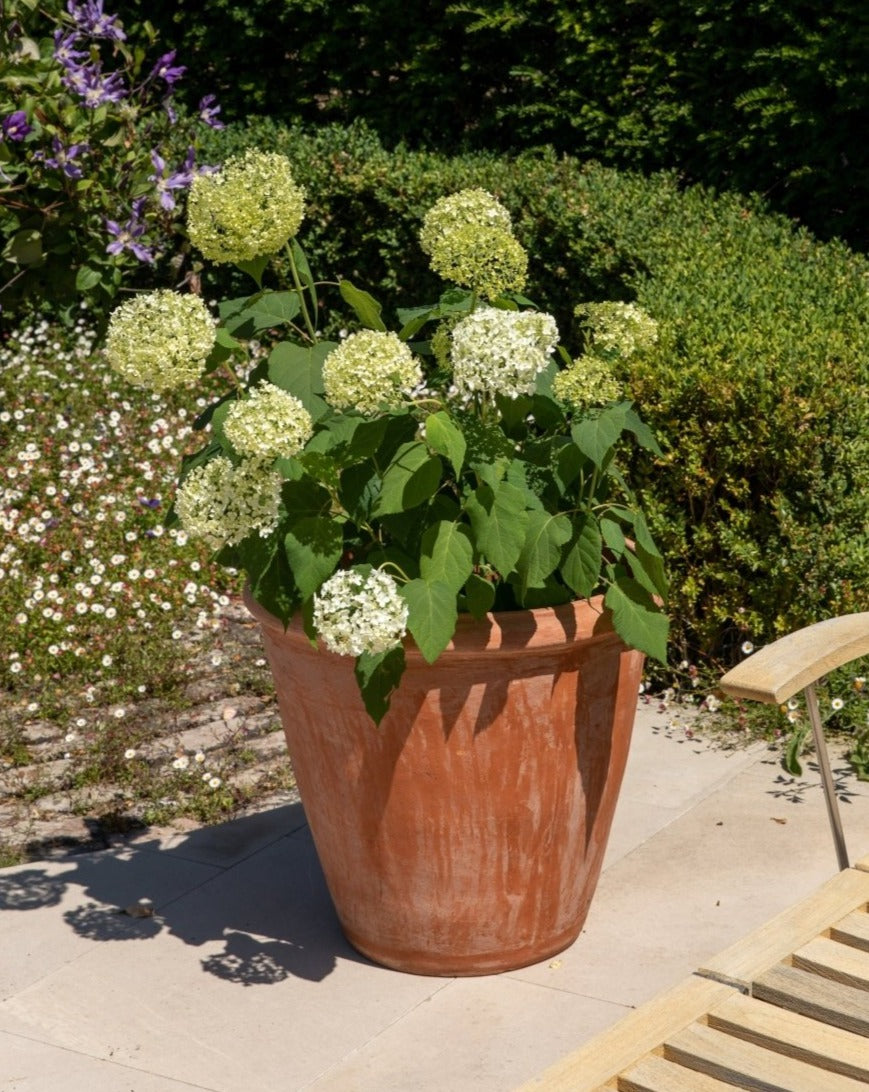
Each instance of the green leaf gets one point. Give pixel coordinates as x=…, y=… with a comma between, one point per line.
x=541, y=551
x=305, y=274
x=447, y=554
x=314, y=545
x=269, y=575
x=644, y=435
x=479, y=595
x=365, y=305
x=613, y=535
x=25, y=247
x=255, y=268
x=413, y=319
x=444, y=436
x=432, y=615
x=582, y=563
x=498, y=518
x=595, y=436
x=378, y=675
x=86, y=279
x=299, y=370
x=791, y=757
x=411, y=477
x=637, y=620
x=305, y=497
x=274, y=309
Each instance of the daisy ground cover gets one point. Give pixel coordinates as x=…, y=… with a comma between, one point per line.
x=114, y=629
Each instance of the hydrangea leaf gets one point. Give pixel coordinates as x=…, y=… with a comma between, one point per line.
x=581, y=566
x=299, y=370
x=412, y=476
x=447, y=554
x=432, y=615
x=595, y=436
x=314, y=545
x=378, y=675
x=444, y=436
x=479, y=595
x=498, y=517
x=636, y=617
x=541, y=551
x=364, y=304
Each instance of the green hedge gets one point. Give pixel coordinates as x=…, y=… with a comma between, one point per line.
x=741, y=94
x=758, y=386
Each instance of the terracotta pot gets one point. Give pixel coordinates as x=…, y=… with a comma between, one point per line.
x=465, y=835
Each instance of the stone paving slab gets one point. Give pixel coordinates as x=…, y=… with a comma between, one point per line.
x=242, y=980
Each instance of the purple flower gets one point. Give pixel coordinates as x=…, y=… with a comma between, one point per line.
x=127, y=238
x=15, y=126
x=165, y=70
x=208, y=111
x=154, y=502
x=166, y=183
x=61, y=159
x=95, y=89
x=90, y=20
x=64, y=53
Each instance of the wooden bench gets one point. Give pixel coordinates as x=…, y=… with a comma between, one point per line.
x=787, y=1008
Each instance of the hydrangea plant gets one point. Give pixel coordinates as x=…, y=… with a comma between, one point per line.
x=460, y=461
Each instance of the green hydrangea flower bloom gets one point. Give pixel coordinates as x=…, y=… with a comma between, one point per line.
x=618, y=329
x=269, y=424
x=160, y=340
x=587, y=382
x=469, y=239
x=370, y=369
x=248, y=209
x=470, y=208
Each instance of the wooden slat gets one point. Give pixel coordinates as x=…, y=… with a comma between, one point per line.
x=639, y=1031
x=749, y=1066
x=845, y=892
x=654, y=1074
x=836, y=961
x=809, y=994
x=853, y=930
x=777, y=671
x=863, y=864
x=793, y=1035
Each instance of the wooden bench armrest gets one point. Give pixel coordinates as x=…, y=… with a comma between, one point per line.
x=777, y=671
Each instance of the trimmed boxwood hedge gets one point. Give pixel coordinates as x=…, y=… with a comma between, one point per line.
x=758, y=386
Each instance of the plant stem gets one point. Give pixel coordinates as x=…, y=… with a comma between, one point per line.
x=312, y=333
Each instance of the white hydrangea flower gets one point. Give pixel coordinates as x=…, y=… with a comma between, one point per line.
x=472, y=207
x=495, y=351
x=354, y=613
x=370, y=369
x=269, y=424
x=246, y=210
x=160, y=340
x=223, y=504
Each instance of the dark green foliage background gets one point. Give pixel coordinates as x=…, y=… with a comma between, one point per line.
x=758, y=387
x=749, y=95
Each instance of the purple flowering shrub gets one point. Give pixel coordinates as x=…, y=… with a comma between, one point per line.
x=95, y=158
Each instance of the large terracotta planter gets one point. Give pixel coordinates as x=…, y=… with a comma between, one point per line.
x=465, y=835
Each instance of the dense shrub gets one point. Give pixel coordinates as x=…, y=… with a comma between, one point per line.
x=739, y=94
x=758, y=386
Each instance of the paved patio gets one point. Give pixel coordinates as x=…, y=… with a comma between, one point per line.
x=241, y=980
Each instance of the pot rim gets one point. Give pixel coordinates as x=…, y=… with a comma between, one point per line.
x=534, y=628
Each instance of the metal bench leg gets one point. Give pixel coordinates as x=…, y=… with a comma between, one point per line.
x=826, y=776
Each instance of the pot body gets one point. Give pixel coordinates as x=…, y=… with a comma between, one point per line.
x=465, y=834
